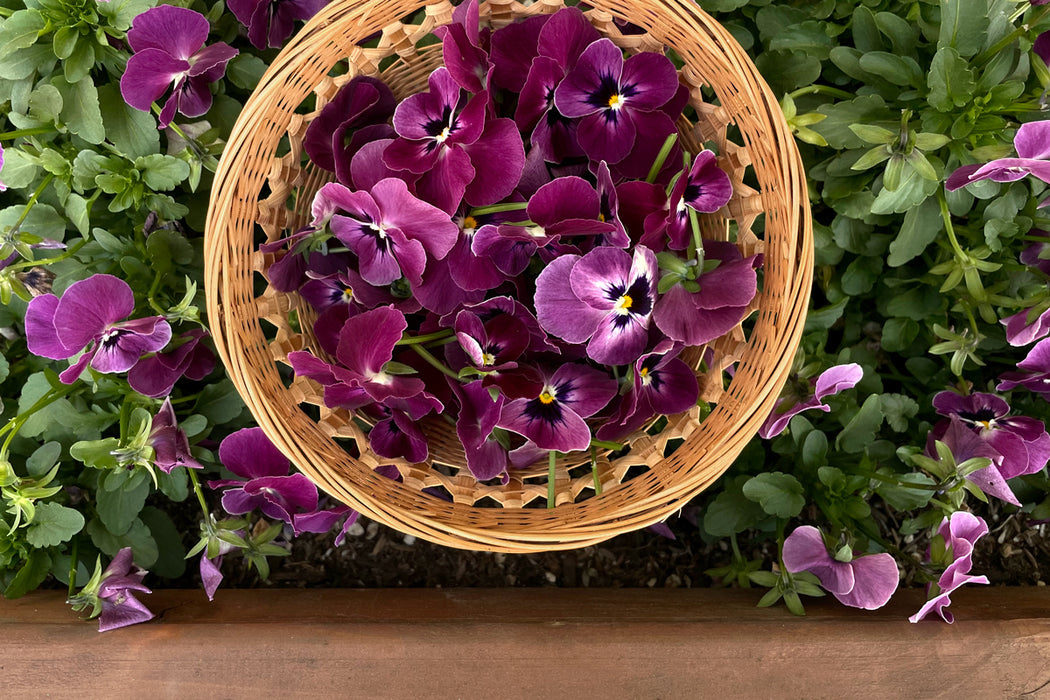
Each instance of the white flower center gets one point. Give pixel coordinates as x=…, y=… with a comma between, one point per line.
x=443, y=136
x=623, y=305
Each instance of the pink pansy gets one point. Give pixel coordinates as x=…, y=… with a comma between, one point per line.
x=958, y=533
x=863, y=582
x=831, y=381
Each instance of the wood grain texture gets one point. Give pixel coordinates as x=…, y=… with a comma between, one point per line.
x=545, y=643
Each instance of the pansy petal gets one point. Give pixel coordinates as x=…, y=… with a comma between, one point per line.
x=497, y=157
x=565, y=36
x=650, y=80
x=584, y=389
x=549, y=426
x=838, y=378
x=512, y=51
x=875, y=581
x=211, y=57
x=804, y=550
x=619, y=340
x=962, y=177
x=89, y=306
x=176, y=31
x=601, y=277
x=41, y=336
x=730, y=284
x=446, y=180
x=559, y=311
x=367, y=340
x=576, y=96
x=148, y=76
x=567, y=197
x=1032, y=140
x=249, y=453
x=672, y=387
x=415, y=218
x=608, y=135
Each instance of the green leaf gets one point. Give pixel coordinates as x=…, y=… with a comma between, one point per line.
x=20, y=31
x=171, y=553
x=138, y=537
x=23, y=63
x=45, y=104
x=787, y=70
x=219, y=403
x=898, y=333
x=899, y=70
x=97, y=454
x=162, y=172
x=904, y=498
x=825, y=318
x=59, y=419
x=5, y=369
x=778, y=493
x=902, y=34
x=19, y=169
x=865, y=31
x=911, y=191
x=77, y=212
x=133, y=132
x=814, y=449
x=121, y=14
x=53, y=524
x=167, y=248
x=868, y=109
x=731, y=512
x=921, y=226
x=245, y=70
x=78, y=66
x=964, y=25
x=65, y=41
x=174, y=485
x=861, y=275
x=80, y=109
x=120, y=508
x=31, y=575
x=861, y=430
x=950, y=80
x=873, y=134
x=43, y=458
x=897, y=409
x=42, y=220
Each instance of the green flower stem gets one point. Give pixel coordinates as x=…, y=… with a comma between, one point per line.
x=737, y=555
x=150, y=296
x=67, y=253
x=887, y=479
x=998, y=46
x=423, y=339
x=497, y=208
x=947, y=216
x=16, y=423
x=594, y=470
x=823, y=89
x=606, y=445
x=19, y=133
x=197, y=490
x=73, y=568
x=32, y=200
x=434, y=362
x=661, y=157
x=185, y=399
x=443, y=341
x=552, y=457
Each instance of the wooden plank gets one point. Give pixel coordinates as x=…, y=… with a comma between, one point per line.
x=510, y=643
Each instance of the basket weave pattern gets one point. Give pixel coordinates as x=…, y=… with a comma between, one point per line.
x=264, y=187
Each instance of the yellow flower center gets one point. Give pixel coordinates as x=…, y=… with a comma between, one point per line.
x=440, y=138
x=615, y=101
x=601, y=217
x=348, y=295
x=644, y=373
x=546, y=398
x=623, y=304
x=470, y=222
x=488, y=358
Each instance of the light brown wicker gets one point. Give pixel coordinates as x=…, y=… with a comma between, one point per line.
x=264, y=185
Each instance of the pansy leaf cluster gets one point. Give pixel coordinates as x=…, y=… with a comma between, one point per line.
x=558, y=306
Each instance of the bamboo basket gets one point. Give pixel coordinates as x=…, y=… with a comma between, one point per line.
x=264, y=186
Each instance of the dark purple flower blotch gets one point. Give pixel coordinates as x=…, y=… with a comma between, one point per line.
x=168, y=42
x=90, y=315
x=553, y=419
x=607, y=91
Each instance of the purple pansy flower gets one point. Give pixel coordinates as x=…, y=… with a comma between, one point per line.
x=90, y=315
x=156, y=375
x=1037, y=254
x=512, y=49
x=119, y=582
x=455, y=150
x=356, y=116
x=1020, y=332
x=479, y=413
x=696, y=318
x=269, y=22
x=398, y=435
x=168, y=42
x=662, y=385
x=959, y=534
x=265, y=483
x=865, y=582
x=170, y=446
x=705, y=188
x=469, y=270
x=606, y=297
x=831, y=381
x=1021, y=444
x=461, y=48
x=607, y=91
x=211, y=568
x=1041, y=45
x=390, y=231
x=553, y=419
x=491, y=345
x=1032, y=143
x=1033, y=371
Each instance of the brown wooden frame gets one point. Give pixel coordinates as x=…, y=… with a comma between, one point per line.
x=534, y=643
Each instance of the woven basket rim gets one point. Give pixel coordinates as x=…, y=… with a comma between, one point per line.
x=571, y=524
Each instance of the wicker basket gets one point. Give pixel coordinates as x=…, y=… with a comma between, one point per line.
x=264, y=186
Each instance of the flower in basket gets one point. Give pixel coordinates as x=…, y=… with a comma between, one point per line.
x=270, y=22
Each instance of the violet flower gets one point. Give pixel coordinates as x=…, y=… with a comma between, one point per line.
x=491, y=345
x=696, y=318
x=397, y=435
x=512, y=49
x=116, y=590
x=269, y=22
x=1034, y=254
x=959, y=533
x=469, y=270
x=390, y=231
x=1032, y=143
x=461, y=48
x=1033, y=371
x=264, y=482
x=356, y=116
x=170, y=445
x=168, y=42
x=830, y=382
x=156, y=375
x=865, y=582
x=661, y=385
x=606, y=297
x=90, y=315
x=479, y=413
x=1019, y=332
x=455, y=150
x=606, y=92
x=553, y=419
x=705, y=188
